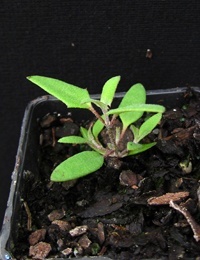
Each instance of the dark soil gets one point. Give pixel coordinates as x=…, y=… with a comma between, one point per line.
x=113, y=212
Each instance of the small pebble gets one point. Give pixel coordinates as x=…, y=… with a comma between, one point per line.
x=67, y=251
x=63, y=225
x=129, y=178
x=40, y=250
x=84, y=242
x=77, y=231
x=56, y=214
x=37, y=236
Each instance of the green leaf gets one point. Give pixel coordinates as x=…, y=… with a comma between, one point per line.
x=149, y=125
x=72, y=139
x=109, y=89
x=84, y=132
x=95, y=144
x=91, y=141
x=138, y=148
x=98, y=103
x=77, y=166
x=71, y=95
x=91, y=136
x=135, y=95
x=139, y=107
x=97, y=127
x=135, y=131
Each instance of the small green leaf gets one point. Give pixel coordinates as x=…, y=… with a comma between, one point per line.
x=84, y=132
x=98, y=103
x=91, y=136
x=139, y=107
x=97, y=127
x=77, y=166
x=135, y=95
x=109, y=89
x=91, y=141
x=94, y=143
x=72, y=139
x=71, y=95
x=138, y=148
x=135, y=131
x=149, y=125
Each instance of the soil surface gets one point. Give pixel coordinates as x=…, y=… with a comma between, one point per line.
x=145, y=207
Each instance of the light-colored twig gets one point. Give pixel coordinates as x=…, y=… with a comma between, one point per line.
x=195, y=227
x=29, y=221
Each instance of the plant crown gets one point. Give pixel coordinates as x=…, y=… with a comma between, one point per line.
x=130, y=110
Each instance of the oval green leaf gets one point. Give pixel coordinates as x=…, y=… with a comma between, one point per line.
x=148, y=126
x=72, y=139
x=77, y=166
x=109, y=89
x=135, y=95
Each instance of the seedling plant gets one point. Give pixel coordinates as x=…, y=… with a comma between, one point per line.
x=130, y=110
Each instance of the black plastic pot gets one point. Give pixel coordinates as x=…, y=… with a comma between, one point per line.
x=26, y=159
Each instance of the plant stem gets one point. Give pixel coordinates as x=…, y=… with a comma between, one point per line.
x=112, y=138
x=97, y=115
x=108, y=126
x=122, y=133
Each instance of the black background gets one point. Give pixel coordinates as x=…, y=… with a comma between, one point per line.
x=85, y=43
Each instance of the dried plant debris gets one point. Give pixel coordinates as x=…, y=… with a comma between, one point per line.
x=195, y=227
x=166, y=198
x=126, y=212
